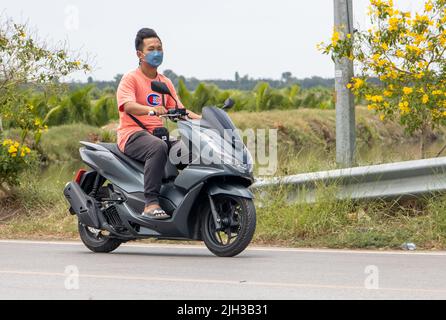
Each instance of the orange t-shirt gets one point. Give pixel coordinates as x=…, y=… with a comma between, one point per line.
x=135, y=86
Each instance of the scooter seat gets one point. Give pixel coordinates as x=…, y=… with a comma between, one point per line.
x=170, y=171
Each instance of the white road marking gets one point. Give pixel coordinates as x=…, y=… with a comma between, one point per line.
x=216, y=281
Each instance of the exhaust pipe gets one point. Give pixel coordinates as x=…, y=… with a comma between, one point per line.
x=82, y=205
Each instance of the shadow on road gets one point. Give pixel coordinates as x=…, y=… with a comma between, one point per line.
x=203, y=255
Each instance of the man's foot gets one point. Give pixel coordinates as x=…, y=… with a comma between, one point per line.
x=155, y=212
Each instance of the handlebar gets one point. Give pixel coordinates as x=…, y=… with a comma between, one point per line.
x=171, y=113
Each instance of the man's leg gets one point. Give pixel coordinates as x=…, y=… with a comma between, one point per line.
x=151, y=150
x=180, y=154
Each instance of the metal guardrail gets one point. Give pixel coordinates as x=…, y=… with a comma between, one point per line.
x=392, y=180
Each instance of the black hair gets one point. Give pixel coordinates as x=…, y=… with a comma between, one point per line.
x=142, y=34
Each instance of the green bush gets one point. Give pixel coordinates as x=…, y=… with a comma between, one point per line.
x=14, y=159
x=104, y=110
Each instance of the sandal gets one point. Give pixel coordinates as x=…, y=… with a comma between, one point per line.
x=156, y=214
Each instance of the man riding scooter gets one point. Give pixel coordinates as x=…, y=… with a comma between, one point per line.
x=137, y=105
x=205, y=197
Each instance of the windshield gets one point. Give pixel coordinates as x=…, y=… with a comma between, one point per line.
x=216, y=141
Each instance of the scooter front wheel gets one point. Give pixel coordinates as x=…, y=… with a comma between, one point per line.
x=95, y=241
x=237, y=226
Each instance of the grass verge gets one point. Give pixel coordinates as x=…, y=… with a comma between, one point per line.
x=39, y=211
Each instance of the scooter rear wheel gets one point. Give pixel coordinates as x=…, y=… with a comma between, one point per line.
x=238, y=219
x=95, y=241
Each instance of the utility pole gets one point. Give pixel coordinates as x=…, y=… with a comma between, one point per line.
x=345, y=108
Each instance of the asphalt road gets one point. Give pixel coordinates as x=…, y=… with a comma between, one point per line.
x=62, y=270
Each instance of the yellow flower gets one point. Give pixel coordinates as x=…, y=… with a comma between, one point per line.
x=12, y=149
x=393, y=75
x=414, y=49
x=37, y=122
x=376, y=57
x=425, y=99
x=9, y=142
x=391, y=11
x=382, y=117
x=357, y=83
x=22, y=154
x=428, y=6
x=418, y=39
x=381, y=63
x=419, y=75
x=388, y=93
x=393, y=23
x=421, y=18
x=404, y=107
x=407, y=90
x=335, y=38
x=384, y=46
x=14, y=155
x=377, y=99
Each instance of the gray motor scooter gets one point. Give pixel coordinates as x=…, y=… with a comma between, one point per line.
x=207, y=198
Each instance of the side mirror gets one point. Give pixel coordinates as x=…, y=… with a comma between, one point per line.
x=160, y=87
x=229, y=103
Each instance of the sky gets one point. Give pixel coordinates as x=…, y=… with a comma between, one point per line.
x=206, y=39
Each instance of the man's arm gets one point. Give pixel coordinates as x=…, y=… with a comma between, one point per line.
x=126, y=97
x=142, y=110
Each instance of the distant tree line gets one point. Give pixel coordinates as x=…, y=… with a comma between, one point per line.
x=244, y=83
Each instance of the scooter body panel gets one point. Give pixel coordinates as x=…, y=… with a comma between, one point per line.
x=114, y=169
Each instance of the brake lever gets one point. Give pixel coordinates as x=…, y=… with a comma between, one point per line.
x=170, y=115
x=176, y=115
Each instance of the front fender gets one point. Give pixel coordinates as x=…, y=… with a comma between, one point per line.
x=231, y=189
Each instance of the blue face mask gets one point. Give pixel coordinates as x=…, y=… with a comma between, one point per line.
x=155, y=58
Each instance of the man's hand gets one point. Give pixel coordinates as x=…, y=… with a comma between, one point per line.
x=159, y=111
x=193, y=115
